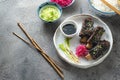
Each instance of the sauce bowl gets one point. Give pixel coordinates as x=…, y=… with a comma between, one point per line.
x=69, y=28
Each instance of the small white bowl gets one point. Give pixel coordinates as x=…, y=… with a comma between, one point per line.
x=68, y=22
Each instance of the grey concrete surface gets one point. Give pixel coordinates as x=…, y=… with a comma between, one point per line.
x=18, y=61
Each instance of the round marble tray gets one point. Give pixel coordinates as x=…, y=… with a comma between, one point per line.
x=74, y=42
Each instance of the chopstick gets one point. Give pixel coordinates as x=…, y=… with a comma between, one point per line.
x=110, y=6
x=118, y=1
x=37, y=49
x=34, y=43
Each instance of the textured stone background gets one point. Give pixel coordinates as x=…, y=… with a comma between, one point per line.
x=18, y=61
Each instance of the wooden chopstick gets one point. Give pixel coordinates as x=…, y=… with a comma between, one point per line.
x=110, y=6
x=37, y=49
x=28, y=36
x=57, y=68
x=118, y=1
x=43, y=54
x=22, y=38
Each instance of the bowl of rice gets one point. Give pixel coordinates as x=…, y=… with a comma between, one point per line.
x=99, y=8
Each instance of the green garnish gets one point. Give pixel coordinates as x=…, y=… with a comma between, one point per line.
x=65, y=47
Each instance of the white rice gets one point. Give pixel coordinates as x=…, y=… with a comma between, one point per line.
x=98, y=4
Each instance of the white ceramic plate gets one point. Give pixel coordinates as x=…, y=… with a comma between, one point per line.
x=74, y=42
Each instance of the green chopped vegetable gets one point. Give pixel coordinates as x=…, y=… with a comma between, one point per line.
x=67, y=42
x=65, y=47
x=62, y=47
x=49, y=13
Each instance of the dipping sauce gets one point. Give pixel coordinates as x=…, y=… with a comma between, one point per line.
x=49, y=13
x=69, y=29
